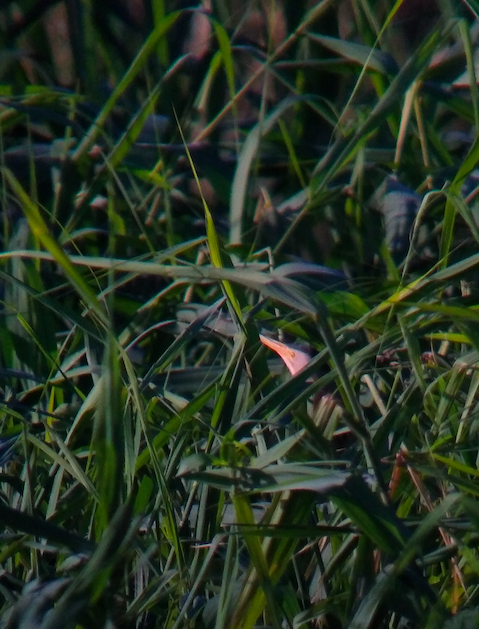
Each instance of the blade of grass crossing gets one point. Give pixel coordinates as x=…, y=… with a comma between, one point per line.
x=108, y=440
x=230, y=576
x=447, y=234
x=466, y=38
x=164, y=497
x=227, y=58
x=217, y=256
x=248, y=610
x=284, y=290
x=126, y=141
x=40, y=229
x=358, y=423
x=159, y=14
x=245, y=160
x=311, y=16
x=162, y=26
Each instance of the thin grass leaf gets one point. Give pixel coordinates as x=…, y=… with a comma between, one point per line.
x=161, y=28
x=40, y=229
x=249, y=608
x=21, y=521
x=447, y=234
x=286, y=291
x=245, y=160
x=366, y=57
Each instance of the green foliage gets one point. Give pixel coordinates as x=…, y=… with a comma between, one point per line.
x=176, y=184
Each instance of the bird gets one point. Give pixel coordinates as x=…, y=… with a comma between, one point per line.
x=323, y=408
x=294, y=357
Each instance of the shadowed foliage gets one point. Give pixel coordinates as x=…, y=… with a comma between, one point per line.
x=194, y=199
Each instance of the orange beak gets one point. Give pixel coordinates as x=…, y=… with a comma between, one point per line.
x=294, y=359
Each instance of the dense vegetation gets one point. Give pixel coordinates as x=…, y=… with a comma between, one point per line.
x=177, y=183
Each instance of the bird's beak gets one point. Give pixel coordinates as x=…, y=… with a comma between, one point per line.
x=294, y=359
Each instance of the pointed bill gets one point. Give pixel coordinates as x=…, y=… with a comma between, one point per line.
x=294, y=358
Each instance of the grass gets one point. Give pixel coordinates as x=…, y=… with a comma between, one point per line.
x=304, y=172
